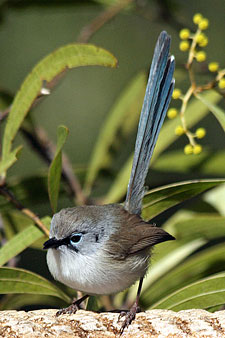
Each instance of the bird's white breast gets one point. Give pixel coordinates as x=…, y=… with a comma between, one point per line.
x=96, y=273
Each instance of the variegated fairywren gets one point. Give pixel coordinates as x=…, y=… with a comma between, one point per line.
x=105, y=249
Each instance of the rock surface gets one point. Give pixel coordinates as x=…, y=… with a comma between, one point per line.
x=153, y=323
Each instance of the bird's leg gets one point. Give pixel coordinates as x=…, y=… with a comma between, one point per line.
x=131, y=314
x=73, y=307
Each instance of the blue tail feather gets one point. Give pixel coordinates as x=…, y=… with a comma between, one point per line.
x=156, y=101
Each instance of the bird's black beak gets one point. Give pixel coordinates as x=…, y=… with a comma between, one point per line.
x=51, y=243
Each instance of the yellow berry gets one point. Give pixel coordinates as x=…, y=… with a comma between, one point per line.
x=197, y=18
x=188, y=149
x=221, y=83
x=197, y=149
x=179, y=130
x=184, y=34
x=213, y=66
x=204, y=42
x=172, y=113
x=200, y=56
x=200, y=132
x=184, y=45
x=176, y=94
x=200, y=37
x=203, y=24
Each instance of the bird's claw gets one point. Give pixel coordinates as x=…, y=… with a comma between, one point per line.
x=68, y=310
x=129, y=317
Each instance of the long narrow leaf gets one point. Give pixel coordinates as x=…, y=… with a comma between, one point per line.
x=9, y=160
x=203, y=294
x=18, y=301
x=21, y=241
x=123, y=117
x=208, y=226
x=216, y=198
x=14, y=280
x=217, y=111
x=160, y=199
x=167, y=263
x=197, y=266
x=55, y=169
x=43, y=74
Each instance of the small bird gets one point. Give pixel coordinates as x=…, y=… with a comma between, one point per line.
x=104, y=249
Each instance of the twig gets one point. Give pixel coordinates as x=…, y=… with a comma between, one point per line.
x=101, y=19
x=11, y=198
x=40, y=142
x=4, y=113
x=194, y=89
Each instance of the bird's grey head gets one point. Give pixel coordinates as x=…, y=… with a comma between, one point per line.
x=82, y=229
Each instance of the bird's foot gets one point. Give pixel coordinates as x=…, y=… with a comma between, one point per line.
x=129, y=316
x=68, y=310
x=73, y=307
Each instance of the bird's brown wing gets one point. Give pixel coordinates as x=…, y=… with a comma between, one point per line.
x=134, y=236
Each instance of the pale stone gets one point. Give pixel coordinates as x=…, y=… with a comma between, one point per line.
x=154, y=323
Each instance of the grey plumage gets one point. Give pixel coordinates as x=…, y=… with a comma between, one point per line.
x=113, y=251
x=105, y=249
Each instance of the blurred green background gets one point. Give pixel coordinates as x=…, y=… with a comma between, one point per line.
x=29, y=30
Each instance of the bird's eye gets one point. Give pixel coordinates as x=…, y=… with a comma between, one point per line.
x=75, y=238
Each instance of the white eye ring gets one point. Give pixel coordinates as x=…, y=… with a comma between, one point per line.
x=75, y=239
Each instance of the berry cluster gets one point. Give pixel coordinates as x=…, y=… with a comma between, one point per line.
x=193, y=42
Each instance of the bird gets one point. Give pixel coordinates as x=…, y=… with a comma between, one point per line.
x=104, y=249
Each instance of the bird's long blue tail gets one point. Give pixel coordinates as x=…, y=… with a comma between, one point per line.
x=156, y=101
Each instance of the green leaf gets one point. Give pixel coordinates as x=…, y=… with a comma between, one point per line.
x=194, y=113
x=8, y=161
x=160, y=199
x=203, y=294
x=207, y=226
x=166, y=263
x=197, y=266
x=217, y=111
x=21, y=241
x=119, y=186
x=43, y=75
x=171, y=260
x=55, y=169
x=122, y=117
x=216, y=198
x=14, y=280
x=17, y=301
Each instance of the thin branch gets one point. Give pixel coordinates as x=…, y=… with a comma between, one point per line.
x=46, y=149
x=40, y=142
x=11, y=198
x=88, y=31
x=4, y=113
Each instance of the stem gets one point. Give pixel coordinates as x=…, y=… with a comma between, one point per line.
x=192, y=49
x=36, y=220
x=191, y=58
x=4, y=113
x=11, y=198
x=210, y=84
x=101, y=19
x=40, y=142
